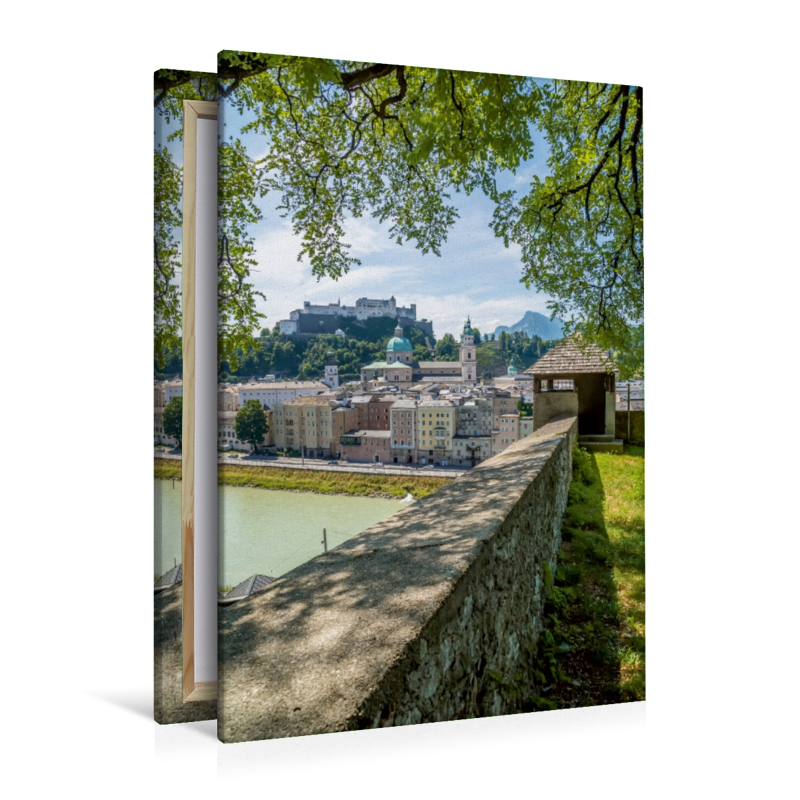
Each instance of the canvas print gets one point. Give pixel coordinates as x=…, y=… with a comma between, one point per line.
x=171, y=88
x=431, y=396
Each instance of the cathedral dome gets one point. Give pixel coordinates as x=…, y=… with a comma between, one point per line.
x=398, y=343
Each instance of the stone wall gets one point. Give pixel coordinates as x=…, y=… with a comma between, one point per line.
x=432, y=614
x=547, y=405
x=168, y=705
x=637, y=425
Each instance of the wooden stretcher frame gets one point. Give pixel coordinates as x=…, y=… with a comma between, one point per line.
x=193, y=110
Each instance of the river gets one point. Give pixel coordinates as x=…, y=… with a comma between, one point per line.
x=266, y=531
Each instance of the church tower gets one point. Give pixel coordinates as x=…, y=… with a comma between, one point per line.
x=467, y=354
x=331, y=370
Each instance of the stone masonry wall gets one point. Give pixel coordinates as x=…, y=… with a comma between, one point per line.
x=548, y=405
x=432, y=614
x=168, y=705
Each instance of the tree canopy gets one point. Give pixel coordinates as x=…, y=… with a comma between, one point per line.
x=237, y=189
x=168, y=186
x=173, y=419
x=251, y=423
x=346, y=138
x=447, y=348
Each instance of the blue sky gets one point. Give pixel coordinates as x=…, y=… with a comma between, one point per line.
x=475, y=274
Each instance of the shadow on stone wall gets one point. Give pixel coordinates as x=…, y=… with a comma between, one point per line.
x=168, y=705
x=398, y=560
x=408, y=621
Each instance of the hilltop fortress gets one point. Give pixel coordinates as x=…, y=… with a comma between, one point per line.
x=312, y=319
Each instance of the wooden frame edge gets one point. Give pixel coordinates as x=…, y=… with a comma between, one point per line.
x=192, y=111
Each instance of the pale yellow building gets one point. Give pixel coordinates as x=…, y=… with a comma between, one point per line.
x=435, y=426
x=306, y=422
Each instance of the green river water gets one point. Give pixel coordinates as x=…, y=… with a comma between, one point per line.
x=266, y=531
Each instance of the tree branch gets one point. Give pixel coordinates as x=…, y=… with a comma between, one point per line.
x=401, y=79
x=352, y=80
x=457, y=104
x=633, y=150
x=623, y=116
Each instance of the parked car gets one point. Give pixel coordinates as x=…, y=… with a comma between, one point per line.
x=233, y=455
x=333, y=463
x=428, y=466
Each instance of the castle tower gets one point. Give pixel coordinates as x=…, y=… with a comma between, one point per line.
x=331, y=370
x=468, y=354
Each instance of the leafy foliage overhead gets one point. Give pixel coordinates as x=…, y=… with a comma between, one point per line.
x=348, y=138
x=171, y=88
x=168, y=186
x=237, y=190
x=581, y=228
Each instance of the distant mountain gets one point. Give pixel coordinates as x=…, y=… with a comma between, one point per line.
x=537, y=324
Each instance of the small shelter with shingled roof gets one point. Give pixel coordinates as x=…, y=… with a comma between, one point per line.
x=576, y=377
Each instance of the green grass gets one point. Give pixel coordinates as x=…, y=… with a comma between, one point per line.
x=358, y=484
x=592, y=650
x=166, y=468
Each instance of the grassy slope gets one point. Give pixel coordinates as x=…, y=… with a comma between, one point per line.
x=593, y=649
x=314, y=480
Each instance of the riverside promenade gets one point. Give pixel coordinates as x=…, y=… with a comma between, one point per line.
x=322, y=465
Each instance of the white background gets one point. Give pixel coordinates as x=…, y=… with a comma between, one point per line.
x=722, y=523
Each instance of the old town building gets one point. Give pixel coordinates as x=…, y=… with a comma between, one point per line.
x=435, y=429
x=472, y=442
x=403, y=425
x=373, y=411
x=274, y=392
x=305, y=424
x=366, y=446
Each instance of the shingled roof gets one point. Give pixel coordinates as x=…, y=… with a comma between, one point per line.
x=171, y=578
x=570, y=357
x=255, y=583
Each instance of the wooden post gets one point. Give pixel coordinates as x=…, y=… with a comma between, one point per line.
x=325, y=539
x=629, y=412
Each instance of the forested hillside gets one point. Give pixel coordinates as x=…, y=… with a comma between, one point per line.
x=278, y=355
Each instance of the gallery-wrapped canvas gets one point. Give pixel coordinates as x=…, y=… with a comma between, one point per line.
x=431, y=485
x=184, y=684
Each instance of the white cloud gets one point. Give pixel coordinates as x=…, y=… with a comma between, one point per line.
x=475, y=274
x=367, y=236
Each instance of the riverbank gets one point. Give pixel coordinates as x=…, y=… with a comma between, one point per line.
x=346, y=483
